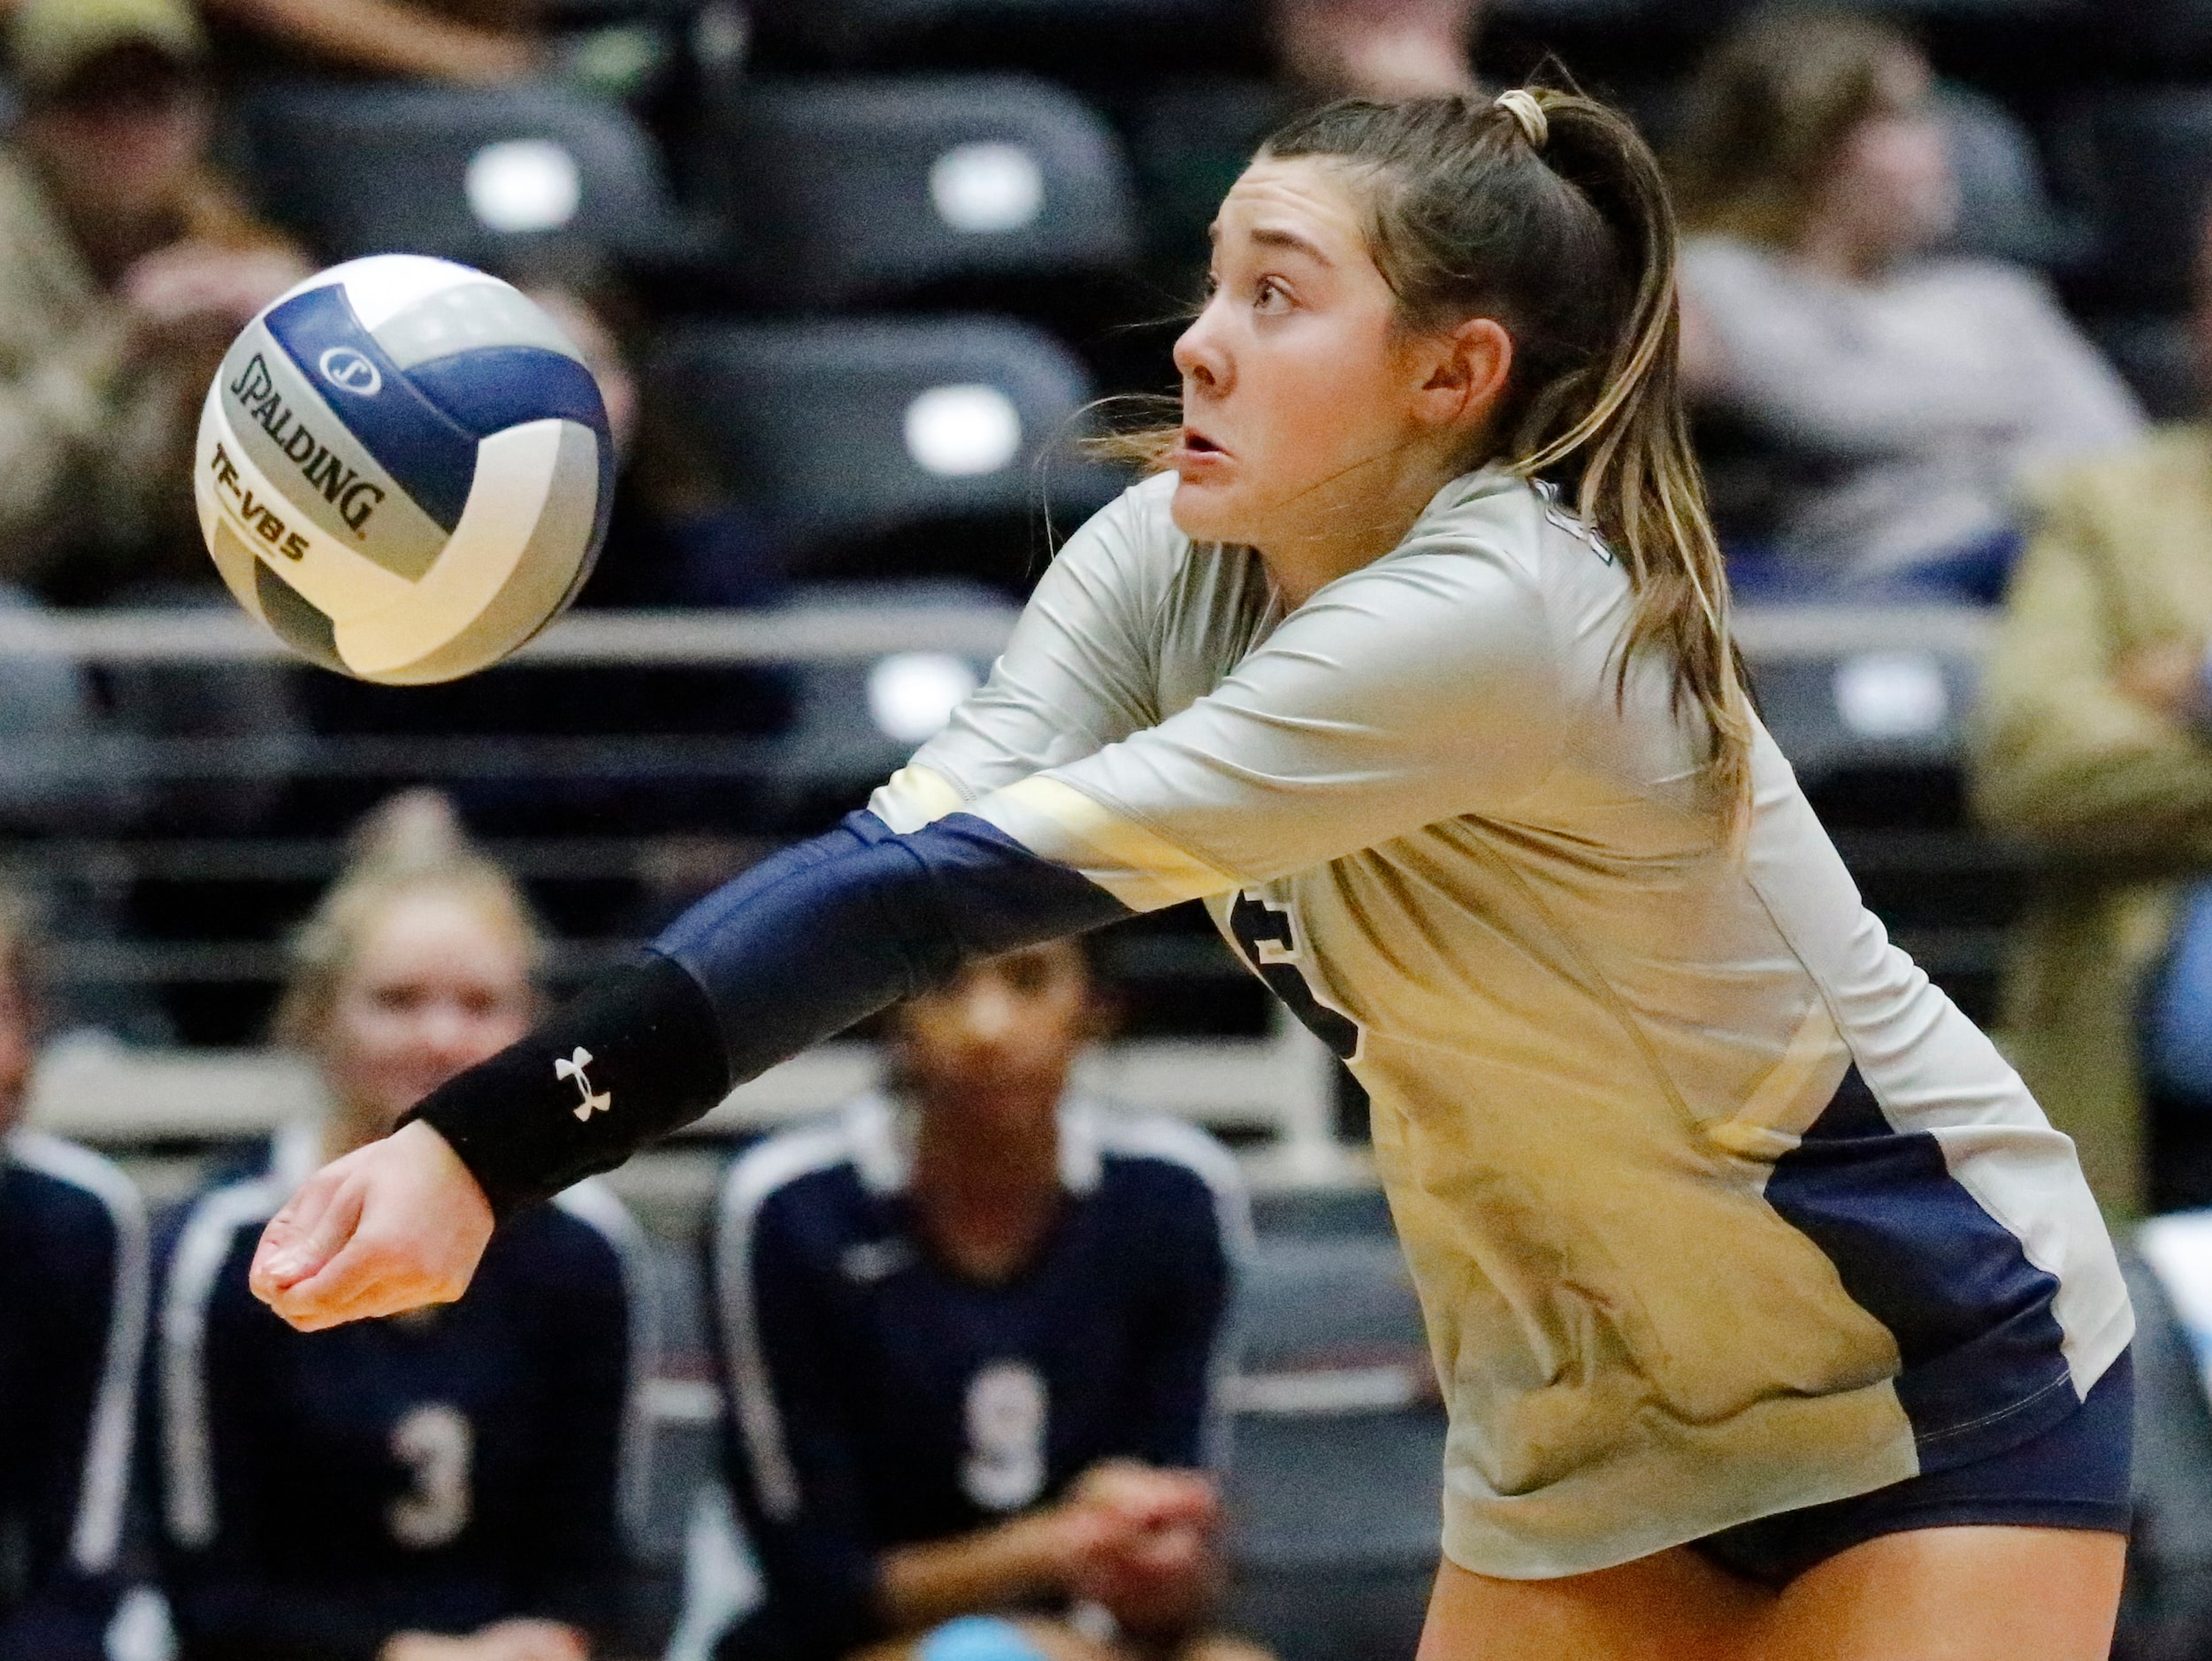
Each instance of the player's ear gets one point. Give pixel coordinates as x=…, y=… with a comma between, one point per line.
x=1468, y=367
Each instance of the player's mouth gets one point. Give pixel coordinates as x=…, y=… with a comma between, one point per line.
x=1196, y=454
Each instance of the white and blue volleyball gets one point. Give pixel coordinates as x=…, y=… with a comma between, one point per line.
x=404, y=469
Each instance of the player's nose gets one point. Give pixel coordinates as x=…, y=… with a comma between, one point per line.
x=1201, y=358
x=988, y=1016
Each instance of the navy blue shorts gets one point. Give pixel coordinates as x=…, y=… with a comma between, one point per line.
x=2074, y=1475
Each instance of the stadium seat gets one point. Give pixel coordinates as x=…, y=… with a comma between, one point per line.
x=2159, y=357
x=829, y=429
x=1334, y=1484
x=844, y=192
x=1894, y=691
x=516, y=178
x=1978, y=10
x=847, y=30
x=2140, y=162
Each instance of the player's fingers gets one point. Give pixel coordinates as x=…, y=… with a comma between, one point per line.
x=303, y=1236
x=356, y=1284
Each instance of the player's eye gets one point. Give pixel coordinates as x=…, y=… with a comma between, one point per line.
x=1270, y=295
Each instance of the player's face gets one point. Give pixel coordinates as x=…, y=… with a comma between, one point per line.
x=1000, y=1036
x=436, y=988
x=1891, y=191
x=1301, y=392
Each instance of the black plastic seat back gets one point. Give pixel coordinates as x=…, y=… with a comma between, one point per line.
x=509, y=177
x=2140, y=165
x=844, y=192
x=856, y=426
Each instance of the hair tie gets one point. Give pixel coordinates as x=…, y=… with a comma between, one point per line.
x=1527, y=114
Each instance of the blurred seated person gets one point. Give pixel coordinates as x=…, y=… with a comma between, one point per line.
x=1904, y=394
x=447, y=1487
x=127, y=265
x=675, y=540
x=973, y=1329
x=473, y=43
x=2095, y=744
x=1195, y=137
x=1377, y=49
x=73, y=1325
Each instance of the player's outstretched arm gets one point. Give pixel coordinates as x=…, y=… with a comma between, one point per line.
x=794, y=951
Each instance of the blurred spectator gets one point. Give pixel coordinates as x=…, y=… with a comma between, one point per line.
x=2096, y=744
x=973, y=1330
x=1905, y=394
x=673, y=540
x=72, y=1326
x=126, y=266
x=1377, y=49
x=1192, y=138
x=446, y=1486
x=475, y=42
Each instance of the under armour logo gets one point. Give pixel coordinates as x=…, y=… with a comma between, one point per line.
x=573, y=1066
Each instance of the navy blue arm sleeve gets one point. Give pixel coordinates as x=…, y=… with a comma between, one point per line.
x=794, y=951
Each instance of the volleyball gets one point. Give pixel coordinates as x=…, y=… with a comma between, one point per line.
x=404, y=470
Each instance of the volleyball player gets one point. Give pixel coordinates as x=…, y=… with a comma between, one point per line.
x=1772, y=1317
x=73, y=1325
x=451, y=1487
x=971, y=1333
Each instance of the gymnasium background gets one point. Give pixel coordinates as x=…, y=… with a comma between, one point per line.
x=865, y=265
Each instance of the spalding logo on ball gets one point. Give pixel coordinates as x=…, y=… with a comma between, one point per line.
x=404, y=469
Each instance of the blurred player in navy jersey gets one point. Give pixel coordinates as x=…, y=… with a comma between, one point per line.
x=72, y=1326
x=452, y=1486
x=972, y=1331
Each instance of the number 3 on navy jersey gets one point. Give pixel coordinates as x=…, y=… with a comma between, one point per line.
x=437, y=1445
x=1268, y=935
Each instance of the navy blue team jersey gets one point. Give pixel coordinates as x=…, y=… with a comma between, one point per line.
x=878, y=1399
x=73, y=1325
x=433, y=1472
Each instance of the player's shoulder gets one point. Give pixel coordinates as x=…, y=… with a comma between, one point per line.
x=208, y=1247
x=1131, y=542
x=1173, y=1160
x=1487, y=550
x=71, y=1194
x=585, y=1229
x=811, y=1175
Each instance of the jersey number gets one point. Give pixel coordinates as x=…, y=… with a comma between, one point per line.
x=1005, y=1466
x=437, y=1446
x=1267, y=934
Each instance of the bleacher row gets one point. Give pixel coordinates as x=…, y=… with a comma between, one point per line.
x=886, y=252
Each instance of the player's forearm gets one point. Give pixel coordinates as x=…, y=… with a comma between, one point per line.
x=793, y=952
x=919, y=1586
x=389, y=38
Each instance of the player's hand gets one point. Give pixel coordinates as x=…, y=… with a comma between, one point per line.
x=392, y=1226
x=190, y=288
x=1148, y=1498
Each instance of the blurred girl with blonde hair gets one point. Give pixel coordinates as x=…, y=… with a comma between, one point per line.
x=451, y=1487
